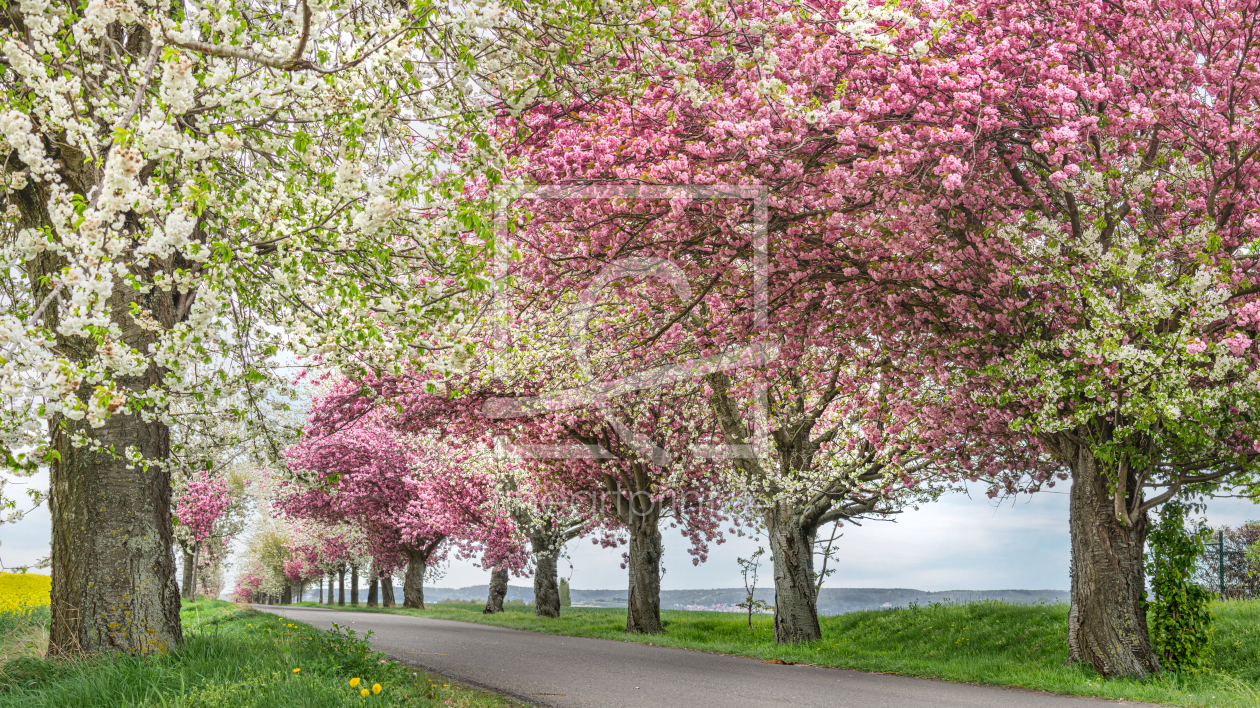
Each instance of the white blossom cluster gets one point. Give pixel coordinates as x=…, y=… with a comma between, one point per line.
x=1137, y=342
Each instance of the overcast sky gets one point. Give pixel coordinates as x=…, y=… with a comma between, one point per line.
x=958, y=543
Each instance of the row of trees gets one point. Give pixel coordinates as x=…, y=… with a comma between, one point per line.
x=914, y=245
x=186, y=192
x=1004, y=238
x=285, y=561
x=998, y=241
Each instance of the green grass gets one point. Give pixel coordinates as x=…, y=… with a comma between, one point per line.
x=23, y=634
x=233, y=658
x=987, y=642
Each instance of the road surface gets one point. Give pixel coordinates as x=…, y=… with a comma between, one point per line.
x=567, y=672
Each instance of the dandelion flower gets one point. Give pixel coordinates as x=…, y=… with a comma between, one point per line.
x=376, y=688
x=297, y=671
x=364, y=693
x=354, y=682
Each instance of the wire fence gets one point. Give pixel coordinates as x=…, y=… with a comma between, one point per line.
x=1225, y=569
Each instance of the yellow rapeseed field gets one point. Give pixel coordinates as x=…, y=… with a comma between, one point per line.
x=19, y=593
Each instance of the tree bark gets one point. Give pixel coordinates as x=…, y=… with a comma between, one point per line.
x=187, y=585
x=792, y=550
x=498, y=590
x=413, y=583
x=1107, y=620
x=371, y=598
x=113, y=568
x=354, y=586
x=643, y=606
x=341, y=585
x=286, y=595
x=321, y=591
x=387, y=590
x=546, y=575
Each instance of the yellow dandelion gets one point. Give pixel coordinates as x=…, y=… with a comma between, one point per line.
x=297, y=671
x=354, y=682
x=376, y=688
x=364, y=693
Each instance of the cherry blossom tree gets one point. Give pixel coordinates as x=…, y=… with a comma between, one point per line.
x=569, y=467
x=819, y=396
x=197, y=512
x=1083, y=179
x=634, y=475
x=248, y=586
x=408, y=494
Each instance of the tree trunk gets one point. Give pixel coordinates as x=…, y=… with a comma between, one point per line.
x=321, y=591
x=546, y=576
x=1107, y=621
x=792, y=550
x=354, y=585
x=113, y=568
x=286, y=595
x=413, y=583
x=498, y=590
x=341, y=586
x=187, y=584
x=387, y=589
x=196, y=569
x=331, y=582
x=373, y=574
x=643, y=606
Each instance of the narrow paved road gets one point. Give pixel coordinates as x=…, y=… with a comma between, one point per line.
x=567, y=671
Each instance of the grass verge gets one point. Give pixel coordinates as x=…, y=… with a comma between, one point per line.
x=234, y=658
x=986, y=642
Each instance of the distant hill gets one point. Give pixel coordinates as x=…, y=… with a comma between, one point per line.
x=831, y=601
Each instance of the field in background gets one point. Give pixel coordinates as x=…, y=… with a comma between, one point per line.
x=20, y=592
x=986, y=642
x=831, y=601
x=231, y=658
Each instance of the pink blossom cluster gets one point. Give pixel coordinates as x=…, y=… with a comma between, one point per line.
x=202, y=505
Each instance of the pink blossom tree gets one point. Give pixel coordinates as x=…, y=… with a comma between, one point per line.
x=248, y=586
x=547, y=520
x=1043, y=213
x=1080, y=181
x=199, y=515
x=409, y=495
x=573, y=465
x=804, y=371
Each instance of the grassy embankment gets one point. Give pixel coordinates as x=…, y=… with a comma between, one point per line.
x=231, y=658
x=987, y=642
